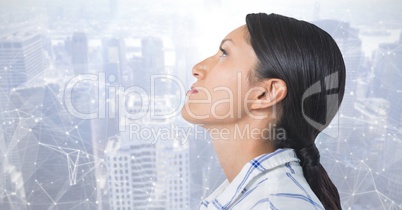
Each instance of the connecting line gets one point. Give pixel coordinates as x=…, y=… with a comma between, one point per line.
x=73, y=167
x=73, y=159
x=45, y=192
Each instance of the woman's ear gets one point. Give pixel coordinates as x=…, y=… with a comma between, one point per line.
x=272, y=92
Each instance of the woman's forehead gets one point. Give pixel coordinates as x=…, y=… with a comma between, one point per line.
x=238, y=34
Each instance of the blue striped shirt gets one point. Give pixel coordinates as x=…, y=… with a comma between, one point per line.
x=270, y=181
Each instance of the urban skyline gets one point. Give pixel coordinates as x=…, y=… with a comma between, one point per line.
x=52, y=158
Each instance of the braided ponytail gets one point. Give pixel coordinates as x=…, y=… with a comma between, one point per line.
x=317, y=177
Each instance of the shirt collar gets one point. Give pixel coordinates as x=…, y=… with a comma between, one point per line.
x=227, y=192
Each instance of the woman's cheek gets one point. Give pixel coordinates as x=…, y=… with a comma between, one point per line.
x=223, y=104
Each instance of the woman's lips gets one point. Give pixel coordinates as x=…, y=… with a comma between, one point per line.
x=192, y=91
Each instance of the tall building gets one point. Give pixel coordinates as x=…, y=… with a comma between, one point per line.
x=114, y=61
x=152, y=54
x=79, y=53
x=387, y=66
x=152, y=63
x=91, y=98
x=173, y=165
x=11, y=182
x=132, y=176
x=21, y=59
x=148, y=171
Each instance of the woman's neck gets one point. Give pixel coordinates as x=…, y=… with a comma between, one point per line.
x=236, y=144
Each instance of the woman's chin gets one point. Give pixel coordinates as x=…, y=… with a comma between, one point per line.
x=187, y=117
x=193, y=118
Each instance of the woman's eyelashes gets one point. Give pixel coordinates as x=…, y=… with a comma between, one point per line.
x=224, y=53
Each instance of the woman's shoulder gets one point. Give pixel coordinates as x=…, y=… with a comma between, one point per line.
x=283, y=187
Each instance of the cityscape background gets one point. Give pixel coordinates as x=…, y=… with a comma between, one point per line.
x=67, y=107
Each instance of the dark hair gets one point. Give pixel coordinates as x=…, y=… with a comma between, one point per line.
x=309, y=61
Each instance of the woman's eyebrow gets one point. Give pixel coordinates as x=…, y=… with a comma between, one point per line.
x=225, y=40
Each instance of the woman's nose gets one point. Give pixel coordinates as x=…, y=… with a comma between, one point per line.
x=200, y=69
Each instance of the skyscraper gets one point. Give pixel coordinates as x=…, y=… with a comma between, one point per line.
x=152, y=63
x=173, y=165
x=387, y=86
x=148, y=171
x=21, y=59
x=114, y=61
x=152, y=53
x=387, y=65
x=133, y=176
x=79, y=53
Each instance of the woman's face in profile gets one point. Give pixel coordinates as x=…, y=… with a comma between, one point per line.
x=221, y=89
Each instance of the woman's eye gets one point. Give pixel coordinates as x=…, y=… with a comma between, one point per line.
x=224, y=54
